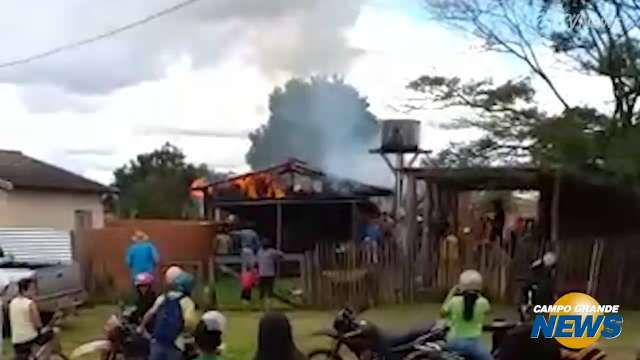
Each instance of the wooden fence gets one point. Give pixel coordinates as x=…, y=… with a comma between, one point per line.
x=605, y=268
x=101, y=252
x=336, y=276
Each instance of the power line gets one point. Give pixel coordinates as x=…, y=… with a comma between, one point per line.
x=95, y=38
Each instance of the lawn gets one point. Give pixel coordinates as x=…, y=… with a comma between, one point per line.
x=242, y=327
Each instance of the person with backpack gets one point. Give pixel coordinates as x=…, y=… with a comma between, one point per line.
x=174, y=313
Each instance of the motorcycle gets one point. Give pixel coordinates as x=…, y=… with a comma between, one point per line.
x=366, y=342
x=123, y=341
x=52, y=348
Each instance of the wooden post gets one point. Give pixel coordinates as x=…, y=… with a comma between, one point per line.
x=411, y=236
x=426, y=243
x=354, y=222
x=279, y=226
x=555, y=209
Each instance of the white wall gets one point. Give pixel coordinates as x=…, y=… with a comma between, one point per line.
x=4, y=200
x=22, y=208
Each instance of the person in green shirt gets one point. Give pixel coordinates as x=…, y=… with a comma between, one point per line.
x=466, y=309
x=208, y=335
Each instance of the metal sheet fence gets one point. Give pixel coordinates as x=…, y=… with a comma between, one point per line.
x=37, y=245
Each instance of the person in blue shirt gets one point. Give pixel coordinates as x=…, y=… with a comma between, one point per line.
x=142, y=255
x=373, y=240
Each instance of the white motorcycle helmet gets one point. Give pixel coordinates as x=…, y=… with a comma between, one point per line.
x=470, y=280
x=549, y=259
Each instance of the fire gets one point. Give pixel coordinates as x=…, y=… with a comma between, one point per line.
x=258, y=186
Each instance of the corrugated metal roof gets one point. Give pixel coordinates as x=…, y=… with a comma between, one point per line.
x=37, y=245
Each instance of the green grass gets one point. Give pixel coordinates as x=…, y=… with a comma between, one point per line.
x=242, y=328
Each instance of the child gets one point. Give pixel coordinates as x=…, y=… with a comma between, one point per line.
x=248, y=279
x=208, y=335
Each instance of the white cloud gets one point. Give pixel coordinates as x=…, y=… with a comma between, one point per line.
x=181, y=93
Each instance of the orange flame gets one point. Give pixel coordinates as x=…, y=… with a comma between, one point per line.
x=259, y=186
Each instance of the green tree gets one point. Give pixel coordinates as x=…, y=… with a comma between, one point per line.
x=596, y=37
x=157, y=184
x=314, y=120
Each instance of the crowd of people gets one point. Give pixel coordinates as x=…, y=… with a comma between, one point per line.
x=173, y=315
x=168, y=319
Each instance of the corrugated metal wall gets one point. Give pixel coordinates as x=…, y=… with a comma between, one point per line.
x=37, y=245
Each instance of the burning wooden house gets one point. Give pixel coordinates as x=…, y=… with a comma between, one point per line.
x=295, y=205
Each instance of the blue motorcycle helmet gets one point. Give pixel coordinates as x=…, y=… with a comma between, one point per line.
x=184, y=282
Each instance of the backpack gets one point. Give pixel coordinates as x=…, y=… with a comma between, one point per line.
x=169, y=321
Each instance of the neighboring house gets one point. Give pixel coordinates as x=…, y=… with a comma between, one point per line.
x=36, y=194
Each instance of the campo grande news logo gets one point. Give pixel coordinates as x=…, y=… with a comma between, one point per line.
x=576, y=321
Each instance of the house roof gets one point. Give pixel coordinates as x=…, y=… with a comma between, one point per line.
x=332, y=187
x=19, y=171
x=473, y=178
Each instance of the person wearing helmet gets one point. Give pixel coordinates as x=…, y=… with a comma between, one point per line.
x=466, y=309
x=173, y=313
x=145, y=296
x=208, y=335
x=543, y=279
x=171, y=274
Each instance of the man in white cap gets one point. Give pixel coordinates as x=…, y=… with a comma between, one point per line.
x=208, y=335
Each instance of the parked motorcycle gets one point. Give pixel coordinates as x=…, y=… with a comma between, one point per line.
x=52, y=348
x=121, y=339
x=367, y=342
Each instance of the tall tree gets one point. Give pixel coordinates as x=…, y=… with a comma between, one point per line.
x=596, y=37
x=157, y=184
x=317, y=120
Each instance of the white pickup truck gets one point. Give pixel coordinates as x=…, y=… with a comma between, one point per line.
x=45, y=255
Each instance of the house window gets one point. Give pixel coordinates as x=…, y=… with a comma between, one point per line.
x=83, y=219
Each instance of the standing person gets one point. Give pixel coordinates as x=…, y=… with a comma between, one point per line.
x=497, y=226
x=249, y=245
x=466, y=309
x=174, y=313
x=248, y=279
x=275, y=341
x=142, y=255
x=208, y=335
x=373, y=240
x=267, y=260
x=26, y=325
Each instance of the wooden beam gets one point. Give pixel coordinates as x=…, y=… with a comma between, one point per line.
x=279, y=226
x=354, y=222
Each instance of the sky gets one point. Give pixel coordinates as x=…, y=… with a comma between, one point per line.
x=200, y=77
